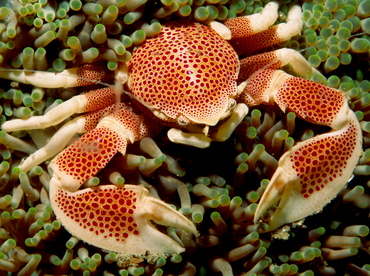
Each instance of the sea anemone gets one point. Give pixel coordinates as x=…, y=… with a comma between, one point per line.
x=219, y=187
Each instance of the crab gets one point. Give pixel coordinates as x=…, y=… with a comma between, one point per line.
x=189, y=77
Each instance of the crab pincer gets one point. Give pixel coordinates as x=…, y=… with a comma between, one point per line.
x=112, y=217
x=118, y=218
x=314, y=171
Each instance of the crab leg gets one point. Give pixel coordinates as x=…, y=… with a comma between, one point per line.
x=252, y=33
x=314, y=171
x=117, y=218
x=62, y=137
x=274, y=60
x=247, y=25
x=91, y=101
x=80, y=76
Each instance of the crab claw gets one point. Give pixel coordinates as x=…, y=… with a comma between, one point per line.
x=86, y=156
x=117, y=218
x=312, y=173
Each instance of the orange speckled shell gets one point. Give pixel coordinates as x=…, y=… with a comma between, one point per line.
x=187, y=70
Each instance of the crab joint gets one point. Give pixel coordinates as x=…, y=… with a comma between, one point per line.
x=198, y=140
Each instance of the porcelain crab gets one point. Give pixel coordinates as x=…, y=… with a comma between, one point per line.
x=189, y=77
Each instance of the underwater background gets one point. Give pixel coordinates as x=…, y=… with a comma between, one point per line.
x=218, y=187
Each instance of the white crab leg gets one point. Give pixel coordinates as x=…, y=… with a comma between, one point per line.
x=117, y=218
x=198, y=140
x=67, y=78
x=256, y=23
x=225, y=129
x=252, y=65
x=80, y=76
x=91, y=101
x=251, y=33
x=63, y=136
x=252, y=24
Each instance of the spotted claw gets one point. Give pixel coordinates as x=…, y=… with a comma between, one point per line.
x=117, y=218
x=311, y=174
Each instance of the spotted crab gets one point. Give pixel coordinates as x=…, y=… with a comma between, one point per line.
x=189, y=77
